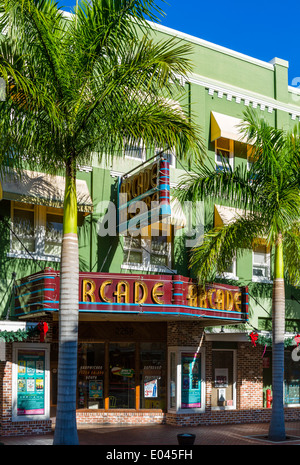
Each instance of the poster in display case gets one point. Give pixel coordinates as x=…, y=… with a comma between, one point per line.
x=31, y=381
x=221, y=377
x=191, y=381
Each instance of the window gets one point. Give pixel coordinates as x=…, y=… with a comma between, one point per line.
x=152, y=253
x=250, y=160
x=53, y=233
x=37, y=230
x=135, y=151
x=186, y=379
x=133, y=252
x=169, y=156
x=153, y=375
x=223, y=394
x=90, y=382
x=224, y=151
x=261, y=264
x=23, y=227
x=124, y=374
x=230, y=272
x=291, y=379
x=172, y=374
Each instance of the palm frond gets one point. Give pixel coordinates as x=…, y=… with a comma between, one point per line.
x=234, y=186
x=221, y=244
x=291, y=250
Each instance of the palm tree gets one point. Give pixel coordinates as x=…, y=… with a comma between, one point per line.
x=268, y=197
x=79, y=84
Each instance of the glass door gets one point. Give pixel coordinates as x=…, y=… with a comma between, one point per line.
x=122, y=375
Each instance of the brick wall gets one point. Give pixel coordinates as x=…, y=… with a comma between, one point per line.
x=249, y=381
x=128, y=417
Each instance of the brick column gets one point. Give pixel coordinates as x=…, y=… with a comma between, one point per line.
x=249, y=376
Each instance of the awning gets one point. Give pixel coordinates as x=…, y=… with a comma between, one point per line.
x=227, y=215
x=178, y=218
x=225, y=126
x=42, y=189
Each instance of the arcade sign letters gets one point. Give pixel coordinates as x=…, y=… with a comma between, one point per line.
x=137, y=291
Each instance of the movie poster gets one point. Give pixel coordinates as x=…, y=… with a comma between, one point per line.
x=31, y=382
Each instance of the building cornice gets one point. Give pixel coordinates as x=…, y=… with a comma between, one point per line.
x=210, y=45
x=240, y=95
x=243, y=96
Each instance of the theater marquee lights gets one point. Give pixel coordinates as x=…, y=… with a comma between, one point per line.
x=129, y=294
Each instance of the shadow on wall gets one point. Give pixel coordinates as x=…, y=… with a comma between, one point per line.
x=106, y=245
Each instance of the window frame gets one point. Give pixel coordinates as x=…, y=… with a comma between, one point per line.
x=145, y=250
x=262, y=279
x=40, y=218
x=178, y=351
x=134, y=146
x=230, y=152
x=234, y=383
x=230, y=275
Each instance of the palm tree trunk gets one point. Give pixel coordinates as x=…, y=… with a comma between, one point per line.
x=65, y=428
x=277, y=425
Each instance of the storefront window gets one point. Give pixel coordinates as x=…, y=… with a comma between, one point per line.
x=191, y=380
x=90, y=376
x=152, y=375
x=292, y=379
x=122, y=375
x=172, y=392
x=223, y=378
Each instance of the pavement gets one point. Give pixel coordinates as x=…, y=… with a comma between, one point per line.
x=164, y=436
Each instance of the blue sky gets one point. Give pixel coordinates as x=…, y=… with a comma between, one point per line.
x=259, y=28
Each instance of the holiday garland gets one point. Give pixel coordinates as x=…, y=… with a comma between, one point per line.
x=19, y=335
x=266, y=341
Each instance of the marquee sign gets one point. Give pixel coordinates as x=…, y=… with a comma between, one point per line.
x=144, y=197
x=130, y=294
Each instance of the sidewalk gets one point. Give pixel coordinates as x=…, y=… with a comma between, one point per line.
x=108, y=435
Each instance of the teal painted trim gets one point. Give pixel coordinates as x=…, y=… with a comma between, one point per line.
x=166, y=313
x=35, y=292
x=139, y=197
x=163, y=305
x=37, y=311
x=152, y=313
x=144, y=305
x=34, y=280
x=165, y=210
x=38, y=303
x=143, y=219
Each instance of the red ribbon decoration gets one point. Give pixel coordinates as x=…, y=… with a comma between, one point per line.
x=297, y=339
x=253, y=337
x=43, y=328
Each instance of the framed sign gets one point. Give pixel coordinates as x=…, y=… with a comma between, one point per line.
x=30, y=382
x=191, y=380
x=150, y=388
x=221, y=377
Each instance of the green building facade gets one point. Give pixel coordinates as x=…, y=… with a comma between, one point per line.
x=231, y=375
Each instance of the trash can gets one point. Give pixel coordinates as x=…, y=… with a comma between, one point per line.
x=186, y=439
